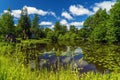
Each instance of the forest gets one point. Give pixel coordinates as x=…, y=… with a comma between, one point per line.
x=101, y=27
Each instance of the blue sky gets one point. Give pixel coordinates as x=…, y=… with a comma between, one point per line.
x=67, y=12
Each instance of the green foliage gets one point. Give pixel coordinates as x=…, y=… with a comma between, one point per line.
x=72, y=28
x=89, y=22
x=35, y=26
x=50, y=34
x=35, y=21
x=6, y=23
x=24, y=24
x=63, y=29
x=41, y=33
x=103, y=27
x=99, y=32
x=83, y=33
x=105, y=56
x=113, y=34
x=57, y=26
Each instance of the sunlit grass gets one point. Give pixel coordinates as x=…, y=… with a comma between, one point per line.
x=12, y=71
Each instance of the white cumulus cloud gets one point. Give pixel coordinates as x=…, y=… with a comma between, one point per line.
x=104, y=5
x=79, y=10
x=63, y=22
x=31, y=10
x=16, y=13
x=45, y=23
x=52, y=13
x=78, y=24
x=66, y=15
x=51, y=27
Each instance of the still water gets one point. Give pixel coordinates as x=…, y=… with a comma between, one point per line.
x=84, y=57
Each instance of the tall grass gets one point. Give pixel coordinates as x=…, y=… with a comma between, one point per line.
x=11, y=68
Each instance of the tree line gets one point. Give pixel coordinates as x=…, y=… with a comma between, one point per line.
x=27, y=28
x=103, y=27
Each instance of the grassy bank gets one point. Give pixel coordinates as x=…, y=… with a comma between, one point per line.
x=10, y=70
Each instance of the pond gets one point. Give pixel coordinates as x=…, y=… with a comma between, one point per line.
x=84, y=57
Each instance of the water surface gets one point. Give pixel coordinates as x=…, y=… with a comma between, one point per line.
x=85, y=57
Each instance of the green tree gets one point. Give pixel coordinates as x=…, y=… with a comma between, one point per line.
x=73, y=37
x=52, y=36
x=35, y=26
x=99, y=31
x=7, y=23
x=113, y=33
x=24, y=24
x=1, y=36
x=87, y=29
x=57, y=26
x=47, y=30
x=41, y=32
x=89, y=22
x=57, y=30
x=63, y=29
x=72, y=29
x=94, y=20
x=95, y=26
x=84, y=33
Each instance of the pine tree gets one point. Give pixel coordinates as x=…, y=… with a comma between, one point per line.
x=7, y=23
x=57, y=26
x=35, y=26
x=24, y=24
